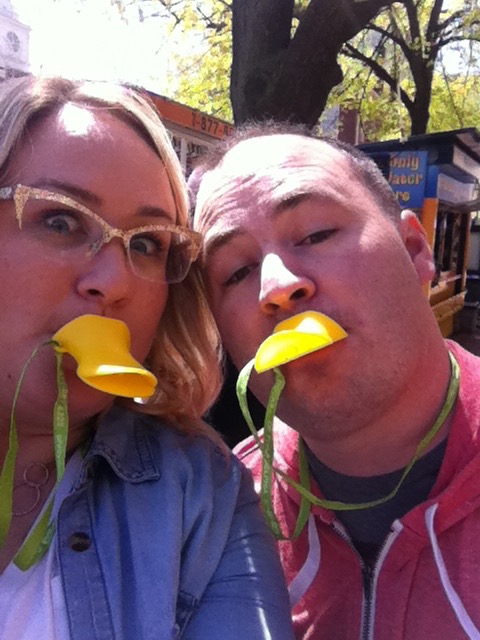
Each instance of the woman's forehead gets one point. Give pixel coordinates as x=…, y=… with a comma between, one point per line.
x=76, y=120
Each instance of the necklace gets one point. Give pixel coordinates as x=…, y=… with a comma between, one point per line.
x=35, y=477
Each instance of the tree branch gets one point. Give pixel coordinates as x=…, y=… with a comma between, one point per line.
x=398, y=39
x=443, y=42
x=448, y=21
x=217, y=27
x=380, y=72
x=412, y=16
x=433, y=23
x=372, y=26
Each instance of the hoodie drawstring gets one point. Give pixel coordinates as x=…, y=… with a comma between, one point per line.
x=452, y=596
x=309, y=570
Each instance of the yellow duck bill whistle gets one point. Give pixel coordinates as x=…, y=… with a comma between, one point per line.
x=295, y=337
x=101, y=347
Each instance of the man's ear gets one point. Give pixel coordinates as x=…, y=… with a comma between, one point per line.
x=416, y=243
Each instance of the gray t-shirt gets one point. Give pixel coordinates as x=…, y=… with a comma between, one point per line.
x=368, y=528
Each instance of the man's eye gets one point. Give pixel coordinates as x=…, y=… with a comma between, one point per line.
x=61, y=222
x=148, y=245
x=239, y=275
x=318, y=236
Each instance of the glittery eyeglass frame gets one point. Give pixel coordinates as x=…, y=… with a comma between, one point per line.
x=20, y=194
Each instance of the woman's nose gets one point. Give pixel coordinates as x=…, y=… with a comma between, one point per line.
x=281, y=287
x=107, y=275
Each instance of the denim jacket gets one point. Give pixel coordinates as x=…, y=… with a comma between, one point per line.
x=162, y=537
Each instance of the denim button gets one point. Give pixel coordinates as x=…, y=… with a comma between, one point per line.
x=79, y=541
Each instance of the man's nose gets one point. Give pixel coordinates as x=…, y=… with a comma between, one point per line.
x=281, y=286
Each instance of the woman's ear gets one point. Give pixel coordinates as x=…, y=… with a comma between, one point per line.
x=416, y=243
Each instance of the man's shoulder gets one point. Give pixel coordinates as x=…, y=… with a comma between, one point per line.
x=465, y=430
x=462, y=354
x=469, y=368
x=249, y=451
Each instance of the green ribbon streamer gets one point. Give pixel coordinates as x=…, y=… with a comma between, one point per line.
x=37, y=543
x=6, y=477
x=267, y=446
x=307, y=497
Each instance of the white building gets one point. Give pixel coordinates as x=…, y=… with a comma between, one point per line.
x=14, y=43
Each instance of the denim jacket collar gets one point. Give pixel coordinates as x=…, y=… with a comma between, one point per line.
x=125, y=447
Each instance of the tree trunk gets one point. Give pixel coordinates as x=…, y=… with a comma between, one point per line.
x=419, y=110
x=274, y=76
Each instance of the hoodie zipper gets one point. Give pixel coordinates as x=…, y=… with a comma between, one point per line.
x=367, y=579
x=370, y=575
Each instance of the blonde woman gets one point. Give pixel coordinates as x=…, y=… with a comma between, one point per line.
x=156, y=530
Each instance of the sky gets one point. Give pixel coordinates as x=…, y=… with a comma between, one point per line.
x=89, y=39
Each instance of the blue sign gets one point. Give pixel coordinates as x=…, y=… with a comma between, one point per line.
x=407, y=177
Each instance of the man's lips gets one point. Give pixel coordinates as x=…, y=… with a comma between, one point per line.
x=296, y=337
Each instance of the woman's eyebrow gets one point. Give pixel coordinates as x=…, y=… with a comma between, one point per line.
x=93, y=200
x=155, y=212
x=71, y=189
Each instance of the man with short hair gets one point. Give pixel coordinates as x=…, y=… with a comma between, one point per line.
x=294, y=224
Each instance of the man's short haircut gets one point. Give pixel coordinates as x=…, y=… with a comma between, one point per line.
x=364, y=168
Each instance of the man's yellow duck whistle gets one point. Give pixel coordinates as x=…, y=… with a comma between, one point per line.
x=101, y=347
x=296, y=337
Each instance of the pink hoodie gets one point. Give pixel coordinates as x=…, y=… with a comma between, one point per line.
x=426, y=581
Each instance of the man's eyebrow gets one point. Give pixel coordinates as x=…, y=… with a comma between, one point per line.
x=93, y=200
x=215, y=244
x=292, y=201
x=295, y=199
x=281, y=206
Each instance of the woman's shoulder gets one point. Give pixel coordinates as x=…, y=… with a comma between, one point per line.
x=128, y=439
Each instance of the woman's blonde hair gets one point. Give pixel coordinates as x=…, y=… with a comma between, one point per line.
x=185, y=355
